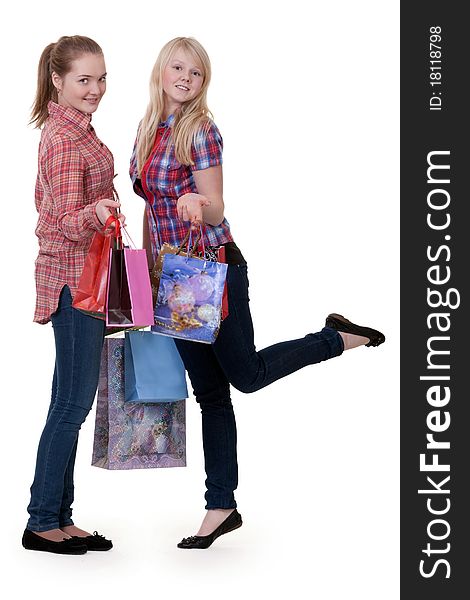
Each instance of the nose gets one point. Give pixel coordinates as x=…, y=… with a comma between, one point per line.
x=185, y=77
x=94, y=88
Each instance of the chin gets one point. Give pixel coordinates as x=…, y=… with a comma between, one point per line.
x=90, y=108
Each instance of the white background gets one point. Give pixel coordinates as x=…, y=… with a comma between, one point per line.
x=306, y=97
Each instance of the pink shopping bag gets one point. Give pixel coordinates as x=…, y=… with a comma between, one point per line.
x=129, y=301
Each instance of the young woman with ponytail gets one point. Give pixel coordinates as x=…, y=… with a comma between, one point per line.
x=74, y=198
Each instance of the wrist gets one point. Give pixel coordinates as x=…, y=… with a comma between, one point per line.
x=91, y=216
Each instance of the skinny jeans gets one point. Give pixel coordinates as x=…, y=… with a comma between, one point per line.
x=234, y=360
x=78, y=341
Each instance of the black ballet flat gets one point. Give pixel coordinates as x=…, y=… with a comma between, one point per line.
x=31, y=541
x=233, y=521
x=340, y=323
x=95, y=542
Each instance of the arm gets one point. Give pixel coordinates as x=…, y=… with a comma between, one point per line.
x=64, y=169
x=207, y=205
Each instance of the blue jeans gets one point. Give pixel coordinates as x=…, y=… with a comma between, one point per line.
x=78, y=342
x=233, y=359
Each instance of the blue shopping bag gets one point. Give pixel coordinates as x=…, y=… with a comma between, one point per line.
x=154, y=371
x=189, y=300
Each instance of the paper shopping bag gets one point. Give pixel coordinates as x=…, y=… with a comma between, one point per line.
x=129, y=299
x=190, y=298
x=131, y=435
x=154, y=371
x=90, y=296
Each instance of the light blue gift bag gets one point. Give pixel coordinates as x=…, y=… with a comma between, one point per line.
x=154, y=371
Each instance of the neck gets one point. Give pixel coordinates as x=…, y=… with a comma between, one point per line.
x=170, y=109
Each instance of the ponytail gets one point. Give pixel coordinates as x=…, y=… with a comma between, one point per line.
x=45, y=91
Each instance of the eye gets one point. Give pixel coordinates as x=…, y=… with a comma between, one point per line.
x=177, y=67
x=197, y=73
x=84, y=80
x=103, y=78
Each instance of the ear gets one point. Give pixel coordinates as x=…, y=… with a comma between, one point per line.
x=57, y=81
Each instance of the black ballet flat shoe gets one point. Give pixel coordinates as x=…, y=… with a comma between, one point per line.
x=233, y=521
x=95, y=542
x=31, y=541
x=340, y=323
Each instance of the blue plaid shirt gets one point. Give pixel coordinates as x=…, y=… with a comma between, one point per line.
x=163, y=180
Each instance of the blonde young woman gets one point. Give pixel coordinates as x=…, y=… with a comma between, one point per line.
x=176, y=167
x=74, y=191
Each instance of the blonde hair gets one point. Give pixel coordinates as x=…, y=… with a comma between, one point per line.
x=193, y=116
x=57, y=57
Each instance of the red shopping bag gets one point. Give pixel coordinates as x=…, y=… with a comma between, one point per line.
x=221, y=258
x=90, y=296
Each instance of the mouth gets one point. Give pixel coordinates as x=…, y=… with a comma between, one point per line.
x=92, y=100
x=182, y=87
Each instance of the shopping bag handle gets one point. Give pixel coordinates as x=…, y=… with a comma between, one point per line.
x=188, y=239
x=114, y=220
x=115, y=232
x=117, y=226
x=200, y=239
x=119, y=229
x=184, y=241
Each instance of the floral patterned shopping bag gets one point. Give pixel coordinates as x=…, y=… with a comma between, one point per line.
x=130, y=435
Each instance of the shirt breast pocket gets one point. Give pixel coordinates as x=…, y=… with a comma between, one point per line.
x=173, y=164
x=172, y=175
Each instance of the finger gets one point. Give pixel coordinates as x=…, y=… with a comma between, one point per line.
x=185, y=214
x=206, y=202
x=108, y=202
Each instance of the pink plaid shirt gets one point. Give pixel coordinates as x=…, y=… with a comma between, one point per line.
x=75, y=171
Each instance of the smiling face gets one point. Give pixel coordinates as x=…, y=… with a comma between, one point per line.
x=84, y=85
x=183, y=77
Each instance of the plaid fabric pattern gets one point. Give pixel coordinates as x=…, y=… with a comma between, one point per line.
x=163, y=180
x=75, y=171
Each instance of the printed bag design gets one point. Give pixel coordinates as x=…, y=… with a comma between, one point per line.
x=130, y=435
x=189, y=298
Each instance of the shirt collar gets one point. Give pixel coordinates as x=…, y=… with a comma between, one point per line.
x=67, y=113
x=168, y=122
